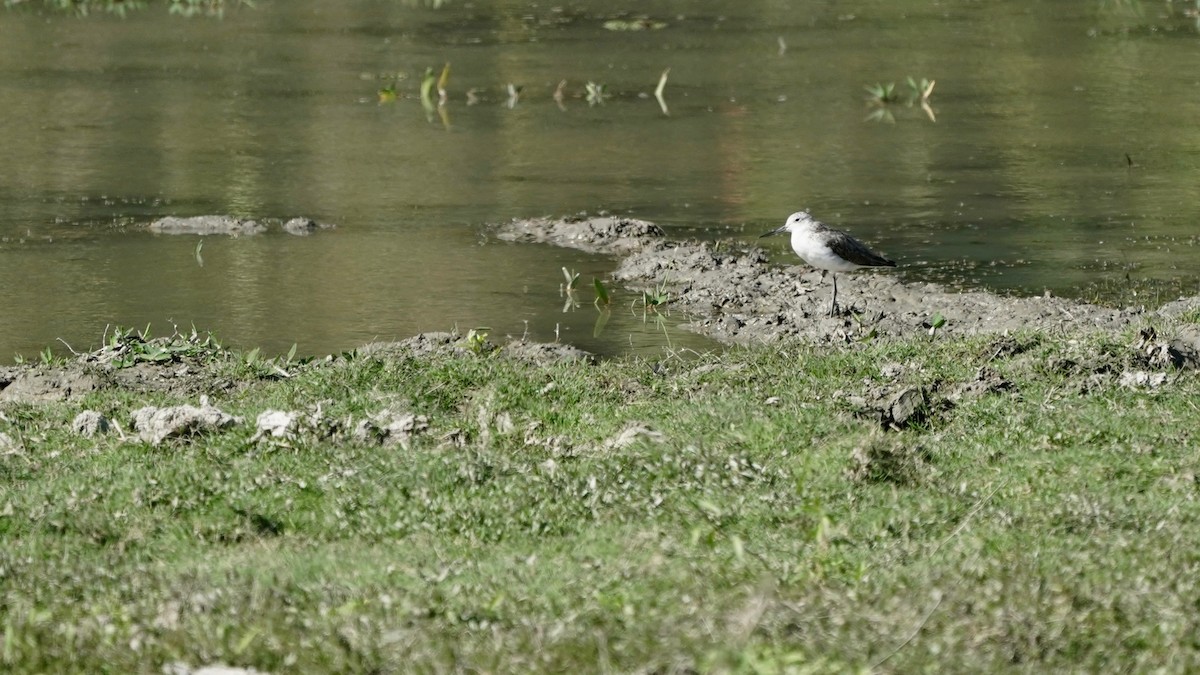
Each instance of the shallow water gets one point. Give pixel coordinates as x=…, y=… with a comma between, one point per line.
x=1022, y=184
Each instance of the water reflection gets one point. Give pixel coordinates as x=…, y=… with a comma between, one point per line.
x=1016, y=179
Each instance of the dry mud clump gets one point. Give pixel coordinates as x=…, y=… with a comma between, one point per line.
x=736, y=295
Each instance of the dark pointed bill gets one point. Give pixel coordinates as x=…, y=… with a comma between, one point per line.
x=774, y=231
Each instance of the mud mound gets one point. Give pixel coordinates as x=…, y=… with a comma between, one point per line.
x=37, y=384
x=737, y=295
x=602, y=234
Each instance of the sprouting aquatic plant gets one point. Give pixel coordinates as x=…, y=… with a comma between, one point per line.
x=602, y=297
x=428, y=82
x=567, y=289
x=920, y=93
x=651, y=300
x=387, y=93
x=572, y=280
x=595, y=93
x=476, y=339
x=920, y=90
x=658, y=297
x=47, y=357
x=881, y=93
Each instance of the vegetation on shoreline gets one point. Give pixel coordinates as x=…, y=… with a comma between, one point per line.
x=735, y=512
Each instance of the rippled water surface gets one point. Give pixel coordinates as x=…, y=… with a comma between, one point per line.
x=1059, y=152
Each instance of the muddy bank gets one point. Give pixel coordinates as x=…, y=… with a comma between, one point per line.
x=744, y=295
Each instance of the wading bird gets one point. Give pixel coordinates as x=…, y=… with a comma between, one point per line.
x=828, y=249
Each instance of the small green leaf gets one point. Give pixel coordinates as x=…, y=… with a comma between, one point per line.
x=601, y=292
x=157, y=354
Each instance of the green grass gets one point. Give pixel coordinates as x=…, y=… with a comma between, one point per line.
x=1052, y=525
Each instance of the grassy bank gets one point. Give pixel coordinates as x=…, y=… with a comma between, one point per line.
x=737, y=512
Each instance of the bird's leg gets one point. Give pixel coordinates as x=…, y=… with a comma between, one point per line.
x=833, y=305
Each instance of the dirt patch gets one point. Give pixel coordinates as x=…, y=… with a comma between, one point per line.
x=738, y=295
